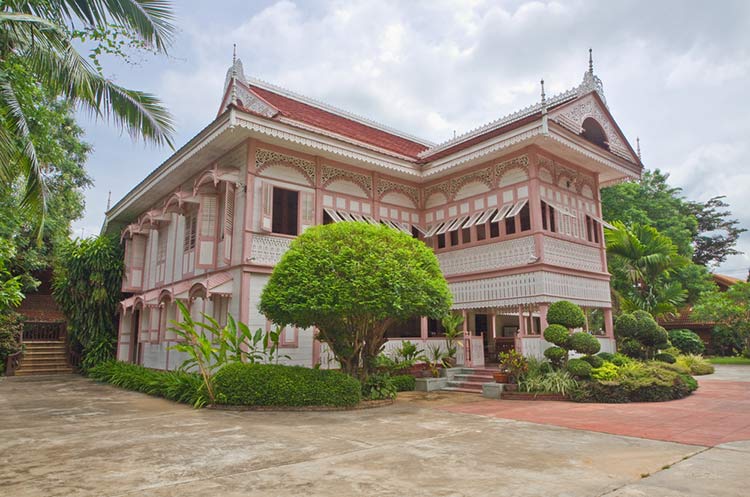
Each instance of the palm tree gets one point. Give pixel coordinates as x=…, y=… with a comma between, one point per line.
x=642, y=261
x=38, y=33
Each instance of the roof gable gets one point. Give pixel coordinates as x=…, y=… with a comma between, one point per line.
x=571, y=115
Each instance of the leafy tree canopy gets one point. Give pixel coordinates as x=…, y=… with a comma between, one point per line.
x=351, y=280
x=730, y=309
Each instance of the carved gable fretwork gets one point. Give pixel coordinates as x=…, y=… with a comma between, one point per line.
x=388, y=186
x=266, y=158
x=481, y=176
x=572, y=117
x=331, y=174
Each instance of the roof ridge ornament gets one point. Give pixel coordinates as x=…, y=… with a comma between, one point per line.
x=638, y=147
x=591, y=82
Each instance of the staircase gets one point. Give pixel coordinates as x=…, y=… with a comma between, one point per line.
x=44, y=357
x=470, y=380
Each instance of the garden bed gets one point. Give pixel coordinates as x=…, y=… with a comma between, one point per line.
x=365, y=404
x=532, y=396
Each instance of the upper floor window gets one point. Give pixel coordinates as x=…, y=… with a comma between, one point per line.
x=191, y=228
x=285, y=211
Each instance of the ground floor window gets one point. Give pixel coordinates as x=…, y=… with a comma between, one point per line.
x=285, y=211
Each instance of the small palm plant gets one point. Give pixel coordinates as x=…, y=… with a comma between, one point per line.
x=453, y=333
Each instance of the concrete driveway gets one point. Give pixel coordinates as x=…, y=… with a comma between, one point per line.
x=67, y=436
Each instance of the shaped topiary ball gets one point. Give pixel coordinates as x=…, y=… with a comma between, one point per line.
x=631, y=348
x=626, y=326
x=595, y=361
x=579, y=368
x=584, y=343
x=566, y=314
x=664, y=357
x=555, y=355
x=558, y=335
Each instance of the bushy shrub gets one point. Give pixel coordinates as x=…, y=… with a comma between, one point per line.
x=584, y=343
x=595, y=361
x=579, y=368
x=11, y=328
x=379, y=386
x=631, y=347
x=566, y=314
x=620, y=360
x=605, y=355
x=173, y=385
x=555, y=355
x=557, y=334
x=606, y=372
x=696, y=364
x=664, y=357
x=686, y=341
x=726, y=341
x=553, y=381
x=279, y=385
x=404, y=382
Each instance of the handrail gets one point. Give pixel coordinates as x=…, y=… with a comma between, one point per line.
x=53, y=331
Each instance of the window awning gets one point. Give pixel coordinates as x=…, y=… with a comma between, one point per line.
x=338, y=216
x=602, y=222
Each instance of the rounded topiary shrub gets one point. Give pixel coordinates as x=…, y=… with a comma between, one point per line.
x=566, y=314
x=579, y=368
x=555, y=354
x=605, y=355
x=584, y=343
x=278, y=385
x=626, y=326
x=557, y=334
x=663, y=357
x=631, y=348
x=595, y=361
x=686, y=341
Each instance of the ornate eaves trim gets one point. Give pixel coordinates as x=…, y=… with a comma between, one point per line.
x=267, y=158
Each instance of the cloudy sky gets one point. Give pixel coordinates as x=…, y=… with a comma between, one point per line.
x=675, y=73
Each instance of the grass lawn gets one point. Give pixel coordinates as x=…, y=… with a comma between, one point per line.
x=729, y=360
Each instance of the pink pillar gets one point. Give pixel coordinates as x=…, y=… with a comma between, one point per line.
x=493, y=331
x=609, y=328
x=315, y=348
x=467, y=340
x=423, y=328
x=543, y=316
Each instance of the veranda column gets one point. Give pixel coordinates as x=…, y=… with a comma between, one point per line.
x=493, y=331
x=423, y=328
x=467, y=340
x=609, y=328
x=521, y=331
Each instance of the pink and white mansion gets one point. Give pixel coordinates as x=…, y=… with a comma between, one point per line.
x=511, y=209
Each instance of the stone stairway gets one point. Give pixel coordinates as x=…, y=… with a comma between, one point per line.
x=44, y=358
x=470, y=380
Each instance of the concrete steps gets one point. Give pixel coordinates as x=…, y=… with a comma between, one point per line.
x=44, y=358
x=469, y=380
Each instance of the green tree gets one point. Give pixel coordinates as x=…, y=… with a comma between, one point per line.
x=59, y=145
x=642, y=262
x=731, y=310
x=39, y=34
x=86, y=286
x=351, y=280
x=717, y=234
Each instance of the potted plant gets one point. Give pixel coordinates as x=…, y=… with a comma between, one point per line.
x=435, y=359
x=453, y=333
x=513, y=364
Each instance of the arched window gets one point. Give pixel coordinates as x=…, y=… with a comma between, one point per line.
x=594, y=133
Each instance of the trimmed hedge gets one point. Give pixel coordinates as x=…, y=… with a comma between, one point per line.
x=584, y=343
x=279, y=385
x=664, y=357
x=404, y=382
x=579, y=368
x=555, y=354
x=173, y=385
x=558, y=335
x=686, y=341
x=595, y=361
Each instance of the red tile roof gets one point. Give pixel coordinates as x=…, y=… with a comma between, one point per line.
x=314, y=116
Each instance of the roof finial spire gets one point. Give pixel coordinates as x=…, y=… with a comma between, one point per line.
x=638, y=147
x=544, y=97
x=234, y=74
x=591, y=61
x=109, y=200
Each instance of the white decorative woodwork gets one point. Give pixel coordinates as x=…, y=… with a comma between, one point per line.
x=489, y=257
x=530, y=288
x=571, y=255
x=267, y=158
x=267, y=250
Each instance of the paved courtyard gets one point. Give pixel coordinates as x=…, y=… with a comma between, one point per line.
x=67, y=436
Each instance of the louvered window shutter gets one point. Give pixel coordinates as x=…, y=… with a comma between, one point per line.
x=307, y=210
x=228, y=221
x=207, y=239
x=266, y=221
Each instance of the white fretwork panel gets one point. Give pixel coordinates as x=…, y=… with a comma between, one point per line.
x=572, y=255
x=487, y=257
x=529, y=288
x=267, y=250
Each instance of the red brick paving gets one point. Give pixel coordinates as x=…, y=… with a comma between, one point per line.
x=718, y=412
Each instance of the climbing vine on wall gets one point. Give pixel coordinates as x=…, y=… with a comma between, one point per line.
x=86, y=285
